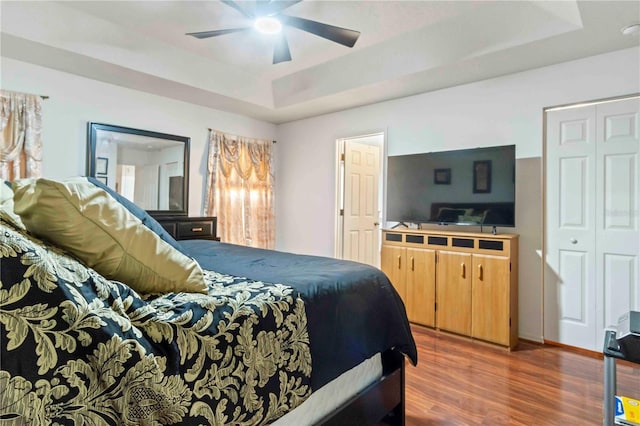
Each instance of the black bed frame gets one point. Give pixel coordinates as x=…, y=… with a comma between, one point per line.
x=381, y=403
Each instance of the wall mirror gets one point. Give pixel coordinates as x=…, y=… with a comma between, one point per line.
x=148, y=168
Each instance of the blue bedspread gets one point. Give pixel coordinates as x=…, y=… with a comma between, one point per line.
x=339, y=296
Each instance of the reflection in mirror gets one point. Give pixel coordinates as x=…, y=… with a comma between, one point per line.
x=148, y=168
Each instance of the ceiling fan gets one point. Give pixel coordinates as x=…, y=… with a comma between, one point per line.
x=268, y=18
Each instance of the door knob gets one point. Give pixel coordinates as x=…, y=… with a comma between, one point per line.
x=573, y=241
x=376, y=223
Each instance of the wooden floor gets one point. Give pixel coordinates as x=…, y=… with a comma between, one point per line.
x=461, y=382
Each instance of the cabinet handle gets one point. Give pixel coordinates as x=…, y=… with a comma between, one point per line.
x=462, y=270
x=399, y=264
x=196, y=229
x=480, y=272
x=412, y=263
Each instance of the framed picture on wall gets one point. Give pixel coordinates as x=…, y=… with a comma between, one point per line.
x=103, y=179
x=442, y=176
x=482, y=176
x=102, y=164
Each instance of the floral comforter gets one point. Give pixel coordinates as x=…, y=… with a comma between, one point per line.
x=76, y=348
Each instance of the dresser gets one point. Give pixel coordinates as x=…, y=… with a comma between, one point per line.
x=189, y=228
x=461, y=282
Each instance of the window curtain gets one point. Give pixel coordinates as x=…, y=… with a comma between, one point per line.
x=239, y=190
x=21, y=130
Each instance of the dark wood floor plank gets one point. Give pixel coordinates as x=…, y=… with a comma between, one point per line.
x=462, y=382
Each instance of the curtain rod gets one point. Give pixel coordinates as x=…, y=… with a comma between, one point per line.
x=211, y=130
x=44, y=97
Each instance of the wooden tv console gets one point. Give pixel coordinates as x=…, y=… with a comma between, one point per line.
x=461, y=282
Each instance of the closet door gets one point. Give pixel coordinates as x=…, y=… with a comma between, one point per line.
x=618, y=214
x=569, y=275
x=592, y=229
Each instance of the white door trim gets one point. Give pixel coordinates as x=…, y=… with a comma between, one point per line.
x=340, y=184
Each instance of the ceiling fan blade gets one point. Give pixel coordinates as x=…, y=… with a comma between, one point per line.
x=281, y=50
x=339, y=35
x=272, y=7
x=237, y=7
x=207, y=34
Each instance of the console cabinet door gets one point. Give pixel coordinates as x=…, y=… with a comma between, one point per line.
x=453, y=291
x=393, y=264
x=490, y=299
x=421, y=286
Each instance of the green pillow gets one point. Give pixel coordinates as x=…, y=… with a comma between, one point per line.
x=86, y=221
x=7, y=212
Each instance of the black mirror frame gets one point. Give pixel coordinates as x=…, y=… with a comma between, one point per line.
x=92, y=129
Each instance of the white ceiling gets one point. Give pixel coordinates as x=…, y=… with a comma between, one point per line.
x=406, y=47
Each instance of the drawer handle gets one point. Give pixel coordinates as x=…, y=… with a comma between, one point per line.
x=196, y=229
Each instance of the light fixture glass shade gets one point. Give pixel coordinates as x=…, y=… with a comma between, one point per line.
x=630, y=29
x=267, y=25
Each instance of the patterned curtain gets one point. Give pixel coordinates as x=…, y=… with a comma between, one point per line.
x=239, y=191
x=21, y=131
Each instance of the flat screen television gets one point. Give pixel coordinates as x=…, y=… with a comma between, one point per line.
x=461, y=187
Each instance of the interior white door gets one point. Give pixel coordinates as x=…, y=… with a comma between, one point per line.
x=617, y=192
x=361, y=234
x=145, y=192
x=569, y=277
x=592, y=240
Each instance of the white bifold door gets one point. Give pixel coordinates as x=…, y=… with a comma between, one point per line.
x=592, y=229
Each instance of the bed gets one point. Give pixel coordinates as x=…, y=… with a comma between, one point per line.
x=254, y=341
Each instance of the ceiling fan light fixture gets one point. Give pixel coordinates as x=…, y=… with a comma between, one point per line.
x=267, y=25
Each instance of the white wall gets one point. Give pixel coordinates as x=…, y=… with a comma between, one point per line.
x=74, y=101
x=500, y=111
x=504, y=110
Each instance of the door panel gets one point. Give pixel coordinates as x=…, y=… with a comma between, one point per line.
x=361, y=233
x=353, y=244
x=620, y=192
x=453, y=292
x=569, y=278
x=421, y=288
x=392, y=264
x=573, y=293
x=573, y=197
x=621, y=286
x=617, y=229
x=490, y=298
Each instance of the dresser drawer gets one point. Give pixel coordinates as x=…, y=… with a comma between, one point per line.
x=170, y=227
x=189, y=228
x=195, y=229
